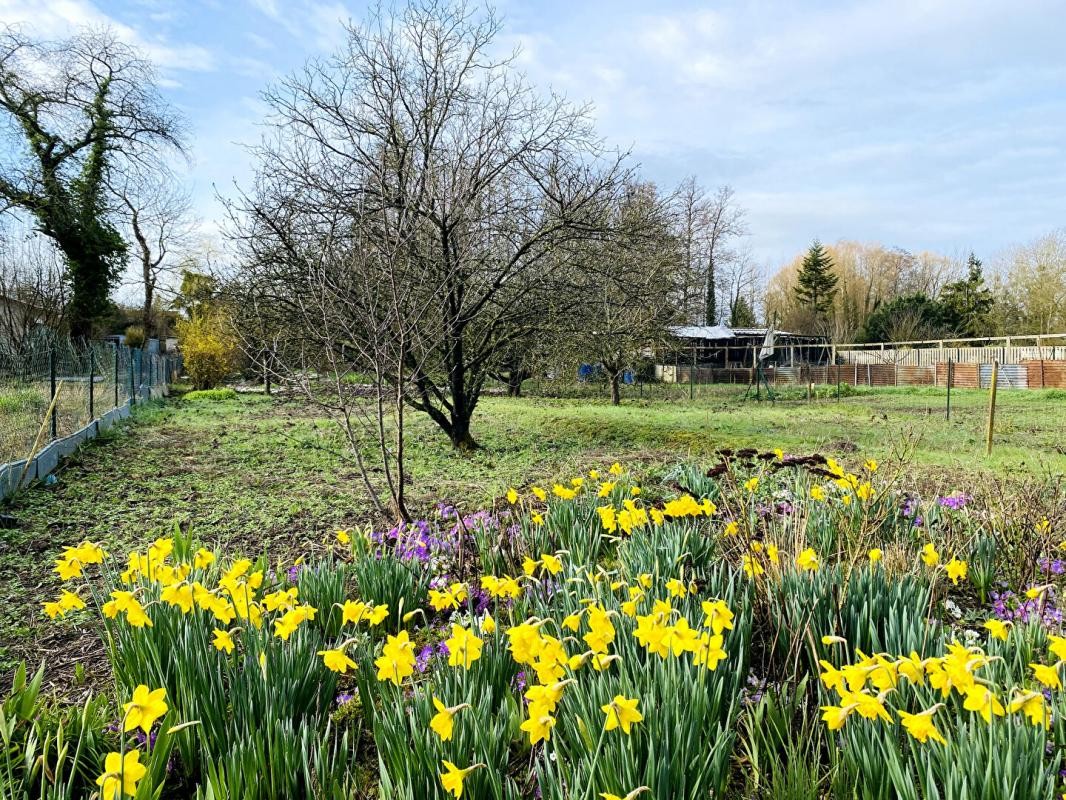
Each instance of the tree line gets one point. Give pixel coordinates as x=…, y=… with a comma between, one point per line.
x=853, y=292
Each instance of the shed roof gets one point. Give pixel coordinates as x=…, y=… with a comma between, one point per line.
x=722, y=332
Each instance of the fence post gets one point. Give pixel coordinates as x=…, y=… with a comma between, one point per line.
x=52, y=381
x=133, y=388
x=92, y=384
x=992, y=407
x=116, y=375
x=692, y=375
x=947, y=379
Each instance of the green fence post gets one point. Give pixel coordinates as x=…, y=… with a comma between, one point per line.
x=92, y=385
x=116, y=374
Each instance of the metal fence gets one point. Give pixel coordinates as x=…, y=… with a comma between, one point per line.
x=52, y=389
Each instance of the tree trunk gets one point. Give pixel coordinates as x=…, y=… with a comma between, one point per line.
x=616, y=394
x=146, y=313
x=514, y=383
x=460, y=433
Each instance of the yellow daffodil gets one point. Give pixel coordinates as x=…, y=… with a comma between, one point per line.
x=930, y=556
x=1032, y=705
x=452, y=778
x=981, y=700
x=920, y=726
x=807, y=560
x=336, y=660
x=1057, y=646
x=464, y=648
x=751, y=565
x=122, y=773
x=223, y=640
x=956, y=570
x=631, y=796
x=708, y=650
x=875, y=555
x=144, y=708
x=622, y=713
x=397, y=659
x=1047, y=675
x=443, y=722
x=203, y=558
x=997, y=629
x=563, y=492
x=539, y=727
x=551, y=563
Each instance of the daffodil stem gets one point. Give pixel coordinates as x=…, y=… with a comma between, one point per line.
x=592, y=764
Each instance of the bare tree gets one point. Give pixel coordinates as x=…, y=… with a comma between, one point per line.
x=416, y=142
x=349, y=341
x=708, y=227
x=156, y=209
x=33, y=288
x=72, y=114
x=629, y=283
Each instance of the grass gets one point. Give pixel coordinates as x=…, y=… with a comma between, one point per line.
x=23, y=407
x=259, y=473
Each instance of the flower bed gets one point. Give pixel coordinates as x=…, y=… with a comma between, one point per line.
x=771, y=626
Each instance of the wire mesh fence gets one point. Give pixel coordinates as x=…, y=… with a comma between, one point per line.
x=53, y=387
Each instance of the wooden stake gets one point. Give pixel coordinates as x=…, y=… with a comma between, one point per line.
x=40, y=434
x=992, y=408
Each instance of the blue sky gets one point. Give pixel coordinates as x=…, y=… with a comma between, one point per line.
x=926, y=124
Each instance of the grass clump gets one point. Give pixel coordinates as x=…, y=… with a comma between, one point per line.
x=210, y=395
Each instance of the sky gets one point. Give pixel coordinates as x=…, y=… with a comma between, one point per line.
x=925, y=124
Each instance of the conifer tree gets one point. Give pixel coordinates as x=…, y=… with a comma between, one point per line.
x=816, y=283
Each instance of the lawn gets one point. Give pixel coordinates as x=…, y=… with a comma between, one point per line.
x=263, y=474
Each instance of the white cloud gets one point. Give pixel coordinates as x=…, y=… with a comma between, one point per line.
x=59, y=18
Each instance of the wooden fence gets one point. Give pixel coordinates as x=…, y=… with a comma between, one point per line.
x=1042, y=374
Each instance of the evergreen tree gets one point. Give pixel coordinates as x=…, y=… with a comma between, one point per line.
x=742, y=315
x=969, y=301
x=711, y=316
x=816, y=283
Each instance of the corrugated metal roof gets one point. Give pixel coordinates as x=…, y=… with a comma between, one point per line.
x=725, y=332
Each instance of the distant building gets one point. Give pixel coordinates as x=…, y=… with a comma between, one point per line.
x=17, y=319
x=722, y=347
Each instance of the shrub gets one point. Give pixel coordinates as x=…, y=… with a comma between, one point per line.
x=135, y=336
x=209, y=346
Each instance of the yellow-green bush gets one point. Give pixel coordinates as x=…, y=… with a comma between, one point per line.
x=209, y=346
x=135, y=336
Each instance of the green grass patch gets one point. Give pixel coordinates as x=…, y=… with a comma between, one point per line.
x=210, y=395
